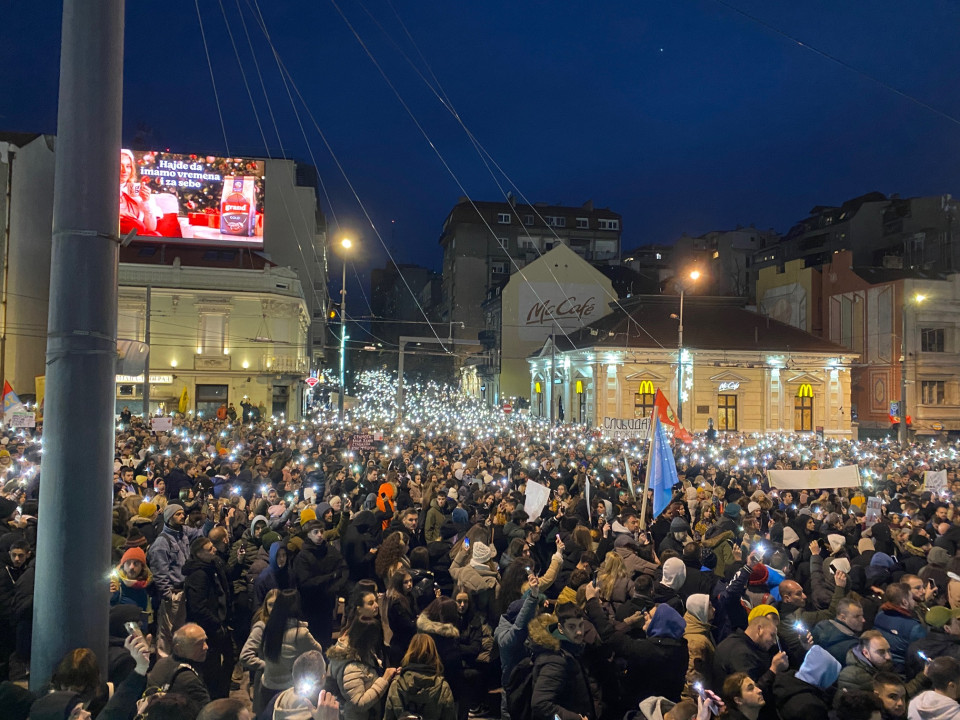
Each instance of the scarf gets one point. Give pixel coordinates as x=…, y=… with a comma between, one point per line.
x=137, y=583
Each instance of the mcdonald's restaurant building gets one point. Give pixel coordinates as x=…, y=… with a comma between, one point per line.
x=744, y=371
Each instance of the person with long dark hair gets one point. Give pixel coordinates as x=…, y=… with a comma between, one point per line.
x=401, y=616
x=356, y=662
x=274, y=645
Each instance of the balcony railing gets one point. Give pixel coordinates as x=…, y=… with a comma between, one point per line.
x=283, y=364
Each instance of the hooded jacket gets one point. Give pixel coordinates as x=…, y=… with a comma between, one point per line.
x=356, y=544
x=446, y=637
x=802, y=695
x=900, y=629
x=561, y=686
x=700, y=643
x=657, y=664
x=433, y=521
x=511, y=631
x=208, y=595
x=272, y=577
x=320, y=574
x=418, y=689
x=836, y=638
x=931, y=705
x=634, y=564
x=167, y=555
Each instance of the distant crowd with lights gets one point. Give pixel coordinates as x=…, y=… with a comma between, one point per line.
x=461, y=563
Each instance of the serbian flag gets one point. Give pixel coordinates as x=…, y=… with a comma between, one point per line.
x=665, y=414
x=11, y=403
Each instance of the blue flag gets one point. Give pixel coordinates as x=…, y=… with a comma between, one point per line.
x=662, y=473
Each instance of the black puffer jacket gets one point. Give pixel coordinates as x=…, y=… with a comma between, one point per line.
x=797, y=700
x=561, y=686
x=207, y=592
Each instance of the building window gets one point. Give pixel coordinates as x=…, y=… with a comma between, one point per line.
x=803, y=408
x=643, y=399
x=727, y=412
x=498, y=268
x=502, y=241
x=932, y=392
x=213, y=334
x=931, y=340
x=555, y=221
x=209, y=398
x=503, y=218
x=608, y=224
x=529, y=244
x=528, y=220
x=583, y=223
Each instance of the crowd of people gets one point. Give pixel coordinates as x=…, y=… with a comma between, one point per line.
x=301, y=570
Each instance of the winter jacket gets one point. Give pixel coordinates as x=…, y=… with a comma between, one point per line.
x=8, y=579
x=738, y=653
x=240, y=562
x=931, y=705
x=403, y=626
x=361, y=686
x=291, y=706
x=131, y=591
x=320, y=574
x=447, y=639
x=186, y=680
x=511, y=632
x=434, y=520
x=278, y=675
x=561, y=686
x=480, y=581
x=272, y=577
x=419, y=690
x=657, y=664
x=797, y=700
x=900, y=629
x=635, y=565
x=167, y=556
x=356, y=544
x=721, y=542
x=207, y=594
x=701, y=648
x=836, y=638
x=790, y=614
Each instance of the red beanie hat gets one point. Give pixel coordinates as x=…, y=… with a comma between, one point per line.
x=759, y=574
x=134, y=553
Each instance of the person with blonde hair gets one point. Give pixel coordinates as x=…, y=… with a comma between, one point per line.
x=421, y=687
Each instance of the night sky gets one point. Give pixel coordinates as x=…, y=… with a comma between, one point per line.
x=684, y=116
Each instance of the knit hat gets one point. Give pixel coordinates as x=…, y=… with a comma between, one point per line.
x=321, y=509
x=763, y=611
x=308, y=514
x=134, y=553
x=135, y=539
x=939, y=616
x=938, y=556
x=698, y=605
x=452, y=494
x=836, y=542
x=732, y=511
x=790, y=536
x=295, y=544
x=460, y=516
x=759, y=575
x=918, y=539
x=269, y=538
x=674, y=573
x=753, y=507
x=482, y=552
x=170, y=510
x=708, y=558
x=141, y=479
x=679, y=525
x=147, y=510
x=865, y=545
x=56, y=705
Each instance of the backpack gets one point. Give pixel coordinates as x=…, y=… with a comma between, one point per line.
x=519, y=690
x=155, y=692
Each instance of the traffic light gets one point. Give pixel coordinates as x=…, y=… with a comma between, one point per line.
x=333, y=310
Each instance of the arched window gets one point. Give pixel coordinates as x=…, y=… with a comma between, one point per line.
x=803, y=408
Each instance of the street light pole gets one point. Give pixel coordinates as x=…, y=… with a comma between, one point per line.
x=903, y=434
x=694, y=275
x=346, y=243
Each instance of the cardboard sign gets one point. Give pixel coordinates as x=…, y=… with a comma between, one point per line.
x=23, y=420
x=935, y=480
x=362, y=441
x=161, y=424
x=627, y=428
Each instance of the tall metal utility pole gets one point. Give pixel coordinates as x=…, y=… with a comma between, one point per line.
x=146, y=365
x=73, y=542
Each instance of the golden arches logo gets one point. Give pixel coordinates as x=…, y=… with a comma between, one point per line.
x=579, y=387
x=646, y=388
x=536, y=387
x=805, y=391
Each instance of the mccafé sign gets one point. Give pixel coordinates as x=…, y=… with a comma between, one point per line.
x=571, y=307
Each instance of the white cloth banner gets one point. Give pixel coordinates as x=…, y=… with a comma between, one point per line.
x=536, y=498
x=840, y=477
x=935, y=480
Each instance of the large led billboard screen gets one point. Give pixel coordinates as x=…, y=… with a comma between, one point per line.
x=191, y=199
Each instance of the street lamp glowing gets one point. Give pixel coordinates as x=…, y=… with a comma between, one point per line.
x=919, y=298
x=695, y=275
x=346, y=243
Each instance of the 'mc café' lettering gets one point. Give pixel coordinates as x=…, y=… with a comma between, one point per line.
x=546, y=311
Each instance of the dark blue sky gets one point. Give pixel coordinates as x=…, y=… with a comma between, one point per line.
x=684, y=116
